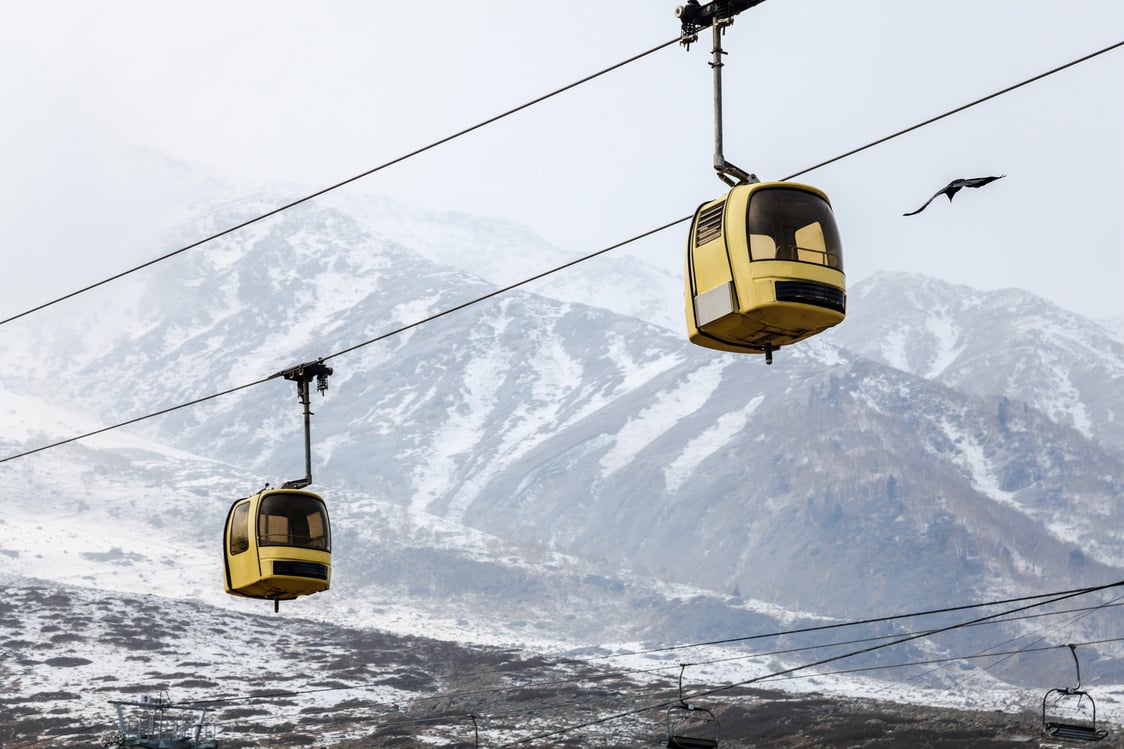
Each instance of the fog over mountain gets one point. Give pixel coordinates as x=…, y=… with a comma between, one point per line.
x=556, y=467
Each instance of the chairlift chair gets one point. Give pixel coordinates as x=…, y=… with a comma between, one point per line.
x=1062, y=717
x=690, y=726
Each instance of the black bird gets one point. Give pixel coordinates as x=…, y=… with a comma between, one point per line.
x=954, y=187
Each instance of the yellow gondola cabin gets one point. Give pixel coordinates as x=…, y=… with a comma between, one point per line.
x=764, y=269
x=278, y=545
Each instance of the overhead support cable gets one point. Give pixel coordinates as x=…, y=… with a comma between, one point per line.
x=349, y=349
x=951, y=112
x=997, y=619
x=505, y=289
x=787, y=674
x=344, y=182
x=509, y=112
x=469, y=303
x=857, y=623
x=920, y=635
x=1005, y=654
x=137, y=419
x=804, y=667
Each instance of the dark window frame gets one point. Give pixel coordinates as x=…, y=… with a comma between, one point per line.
x=297, y=509
x=779, y=212
x=240, y=528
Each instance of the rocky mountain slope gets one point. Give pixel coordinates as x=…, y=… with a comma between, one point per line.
x=286, y=681
x=1004, y=343
x=546, y=469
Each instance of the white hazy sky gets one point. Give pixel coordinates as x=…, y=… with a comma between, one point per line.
x=102, y=100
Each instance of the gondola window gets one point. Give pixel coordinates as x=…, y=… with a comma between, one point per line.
x=240, y=529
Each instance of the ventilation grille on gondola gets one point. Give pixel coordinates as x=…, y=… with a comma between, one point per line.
x=709, y=226
x=301, y=569
x=815, y=294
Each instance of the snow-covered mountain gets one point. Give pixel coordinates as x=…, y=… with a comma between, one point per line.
x=503, y=253
x=538, y=469
x=1006, y=343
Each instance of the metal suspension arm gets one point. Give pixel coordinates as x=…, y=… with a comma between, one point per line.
x=718, y=15
x=727, y=172
x=1077, y=665
x=303, y=374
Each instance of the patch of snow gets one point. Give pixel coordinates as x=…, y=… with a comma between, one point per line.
x=947, y=335
x=706, y=444
x=974, y=460
x=460, y=433
x=636, y=373
x=894, y=349
x=414, y=310
x=669, y=407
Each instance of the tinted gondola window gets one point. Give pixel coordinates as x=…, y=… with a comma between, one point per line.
x=240, y=528
x=790, y=224
x=291, y=519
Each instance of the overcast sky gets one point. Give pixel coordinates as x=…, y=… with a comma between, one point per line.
x=106, y=104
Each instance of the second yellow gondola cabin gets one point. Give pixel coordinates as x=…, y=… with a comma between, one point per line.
x=278, y=545
x=764, y=269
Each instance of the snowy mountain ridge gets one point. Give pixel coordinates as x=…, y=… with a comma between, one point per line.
x=1008, y=343
x=547, y=471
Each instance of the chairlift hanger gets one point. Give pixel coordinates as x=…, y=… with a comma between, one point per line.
x=690, y=726
x=303, y=374
x=475, y=730
x=1065, y=724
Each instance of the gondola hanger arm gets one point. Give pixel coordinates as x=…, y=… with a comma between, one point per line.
x=717, y=15
x=303, y=374
x=1077, y=667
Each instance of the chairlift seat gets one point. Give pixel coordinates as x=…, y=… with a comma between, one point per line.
x=691, y=742
x=1075, y=732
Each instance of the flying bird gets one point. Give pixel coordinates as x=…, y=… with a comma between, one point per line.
x=954, y=187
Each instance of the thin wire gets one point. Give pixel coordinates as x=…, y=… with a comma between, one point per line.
x=788, y=673
x=862, y=669
x=349, y=349
x=283, y=694
x=795, y=669
x=1083, y=612
x=347, y=181
x=838, y=625
x=137, y=419
x=1072, y=620
x=445, y=717
x=920, y=635
x=491, y=120
x=953, y=658
x=506, y=288
x=951, y=112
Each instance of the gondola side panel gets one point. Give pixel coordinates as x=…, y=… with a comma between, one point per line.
x=710, y=299
x=240, y=548
x=274, y=555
